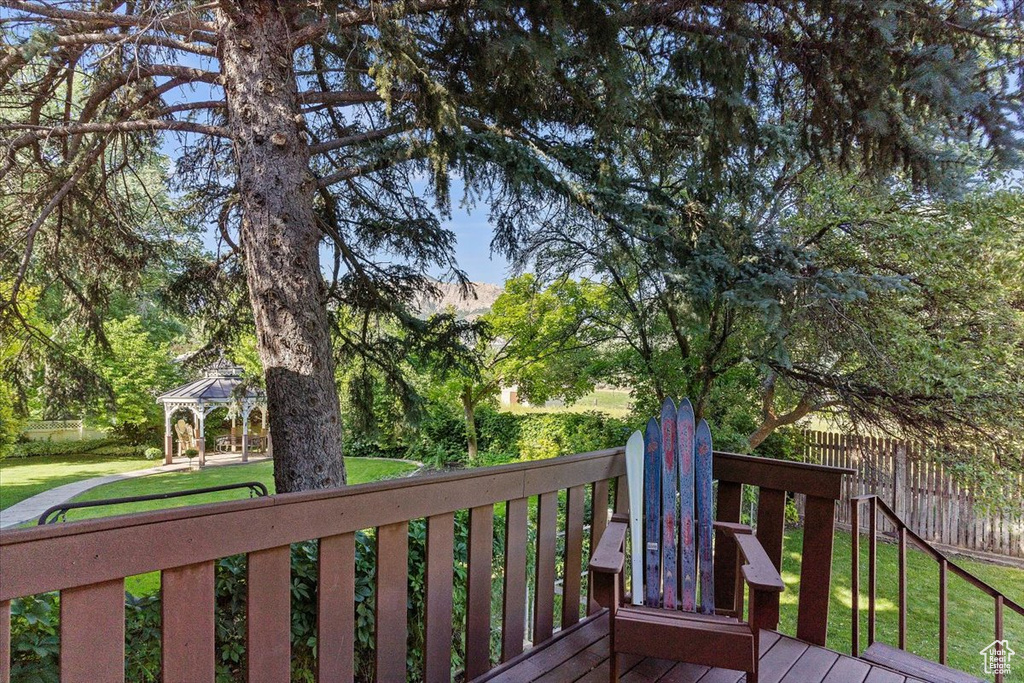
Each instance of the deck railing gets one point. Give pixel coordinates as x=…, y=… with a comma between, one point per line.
x=877, y=510
x=88, y=562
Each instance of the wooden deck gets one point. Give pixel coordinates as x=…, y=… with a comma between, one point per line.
x=580, y=655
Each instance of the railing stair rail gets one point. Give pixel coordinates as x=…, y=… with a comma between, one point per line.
x=878, y=506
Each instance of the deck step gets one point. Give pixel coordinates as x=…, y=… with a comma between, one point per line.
x=912, y=665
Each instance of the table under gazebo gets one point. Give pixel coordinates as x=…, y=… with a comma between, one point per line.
x=222, y=386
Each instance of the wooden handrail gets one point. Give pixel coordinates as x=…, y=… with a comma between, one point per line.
x=88, y=560
x=946, y=565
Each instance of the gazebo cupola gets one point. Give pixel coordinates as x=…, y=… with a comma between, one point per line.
x=222, y=386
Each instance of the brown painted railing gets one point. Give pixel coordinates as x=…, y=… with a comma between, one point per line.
x=88, y=562
x=878, y=506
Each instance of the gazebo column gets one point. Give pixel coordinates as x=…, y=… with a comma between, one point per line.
x=234, y=432
x=168, y=437
x=267, y=449
x=201, y=436
x=245, y=436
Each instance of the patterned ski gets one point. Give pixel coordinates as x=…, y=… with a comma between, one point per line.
x=635, y=481
x=652, y=514
x=702, y=476
x=688, y=557
x=669, y=485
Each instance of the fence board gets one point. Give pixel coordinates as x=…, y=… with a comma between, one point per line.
x=932, y=503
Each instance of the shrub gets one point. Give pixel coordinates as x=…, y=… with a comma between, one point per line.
x=152, y=453
x=29, y=449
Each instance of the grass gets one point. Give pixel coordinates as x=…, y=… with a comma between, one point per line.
x=971, y=613
x=360, y=470
x=614, y=402
x=22, y=478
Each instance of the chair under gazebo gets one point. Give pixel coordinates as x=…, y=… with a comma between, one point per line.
x=222, y=386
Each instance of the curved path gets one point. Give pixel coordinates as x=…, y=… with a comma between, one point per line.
x=30, y=509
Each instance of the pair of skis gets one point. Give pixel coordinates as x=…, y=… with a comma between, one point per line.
x=672, y=458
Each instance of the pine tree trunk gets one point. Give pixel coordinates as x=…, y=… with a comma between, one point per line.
x=280, y=241
x=469, y=410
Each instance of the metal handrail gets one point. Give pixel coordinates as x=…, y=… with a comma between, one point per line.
x=946, y=565
x=59, y=512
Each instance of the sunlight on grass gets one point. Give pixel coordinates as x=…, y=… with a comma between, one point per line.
x=22, y=478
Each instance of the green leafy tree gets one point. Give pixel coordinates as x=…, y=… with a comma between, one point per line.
x=137, y=368
x=542, y=339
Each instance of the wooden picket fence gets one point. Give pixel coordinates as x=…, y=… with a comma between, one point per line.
x=921, y=492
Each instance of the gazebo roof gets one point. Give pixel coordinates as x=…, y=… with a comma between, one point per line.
x=218, y=385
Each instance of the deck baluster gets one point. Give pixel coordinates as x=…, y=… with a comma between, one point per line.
x=544, y=586
x=437, y=625
x=392, y=595
x=478, y=590
x=943, y=567
x=188, y=647
x=575, y=500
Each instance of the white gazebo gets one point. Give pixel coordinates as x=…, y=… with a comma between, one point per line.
x=220, y=387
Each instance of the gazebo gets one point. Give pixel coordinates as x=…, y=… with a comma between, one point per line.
x=220, y=387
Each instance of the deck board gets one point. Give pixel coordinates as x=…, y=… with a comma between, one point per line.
x=580, y=655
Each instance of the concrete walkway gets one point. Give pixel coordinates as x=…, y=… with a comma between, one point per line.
x=31, y=508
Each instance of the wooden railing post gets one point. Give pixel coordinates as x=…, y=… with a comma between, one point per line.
x=771, y=526
x=730, y=496
x=816, y=570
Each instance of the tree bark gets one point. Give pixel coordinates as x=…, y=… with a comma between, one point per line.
x=280, y=242
x=469, y=410
x=770, y=421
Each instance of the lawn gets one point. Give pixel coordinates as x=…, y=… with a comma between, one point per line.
x=360, y=470
x=22, y=478
x=613, y=402
x=971, y=612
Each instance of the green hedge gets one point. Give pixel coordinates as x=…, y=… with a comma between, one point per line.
x=114, y=448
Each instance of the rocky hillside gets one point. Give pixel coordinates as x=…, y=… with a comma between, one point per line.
x=479, y=301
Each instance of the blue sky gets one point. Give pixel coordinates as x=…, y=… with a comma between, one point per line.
x=472, y=230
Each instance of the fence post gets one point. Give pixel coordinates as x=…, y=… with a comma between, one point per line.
x=899, y=481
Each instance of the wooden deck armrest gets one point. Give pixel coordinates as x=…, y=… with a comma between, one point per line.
x=758, y=570
x=608, y=557
x=732, y=528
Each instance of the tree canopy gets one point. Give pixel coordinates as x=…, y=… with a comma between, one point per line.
x=334, y=129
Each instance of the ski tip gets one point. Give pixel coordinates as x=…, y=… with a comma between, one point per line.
x=653, y=430
x=685, y=408
x=635, y=444
x=668, y=408
x=703, y=432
